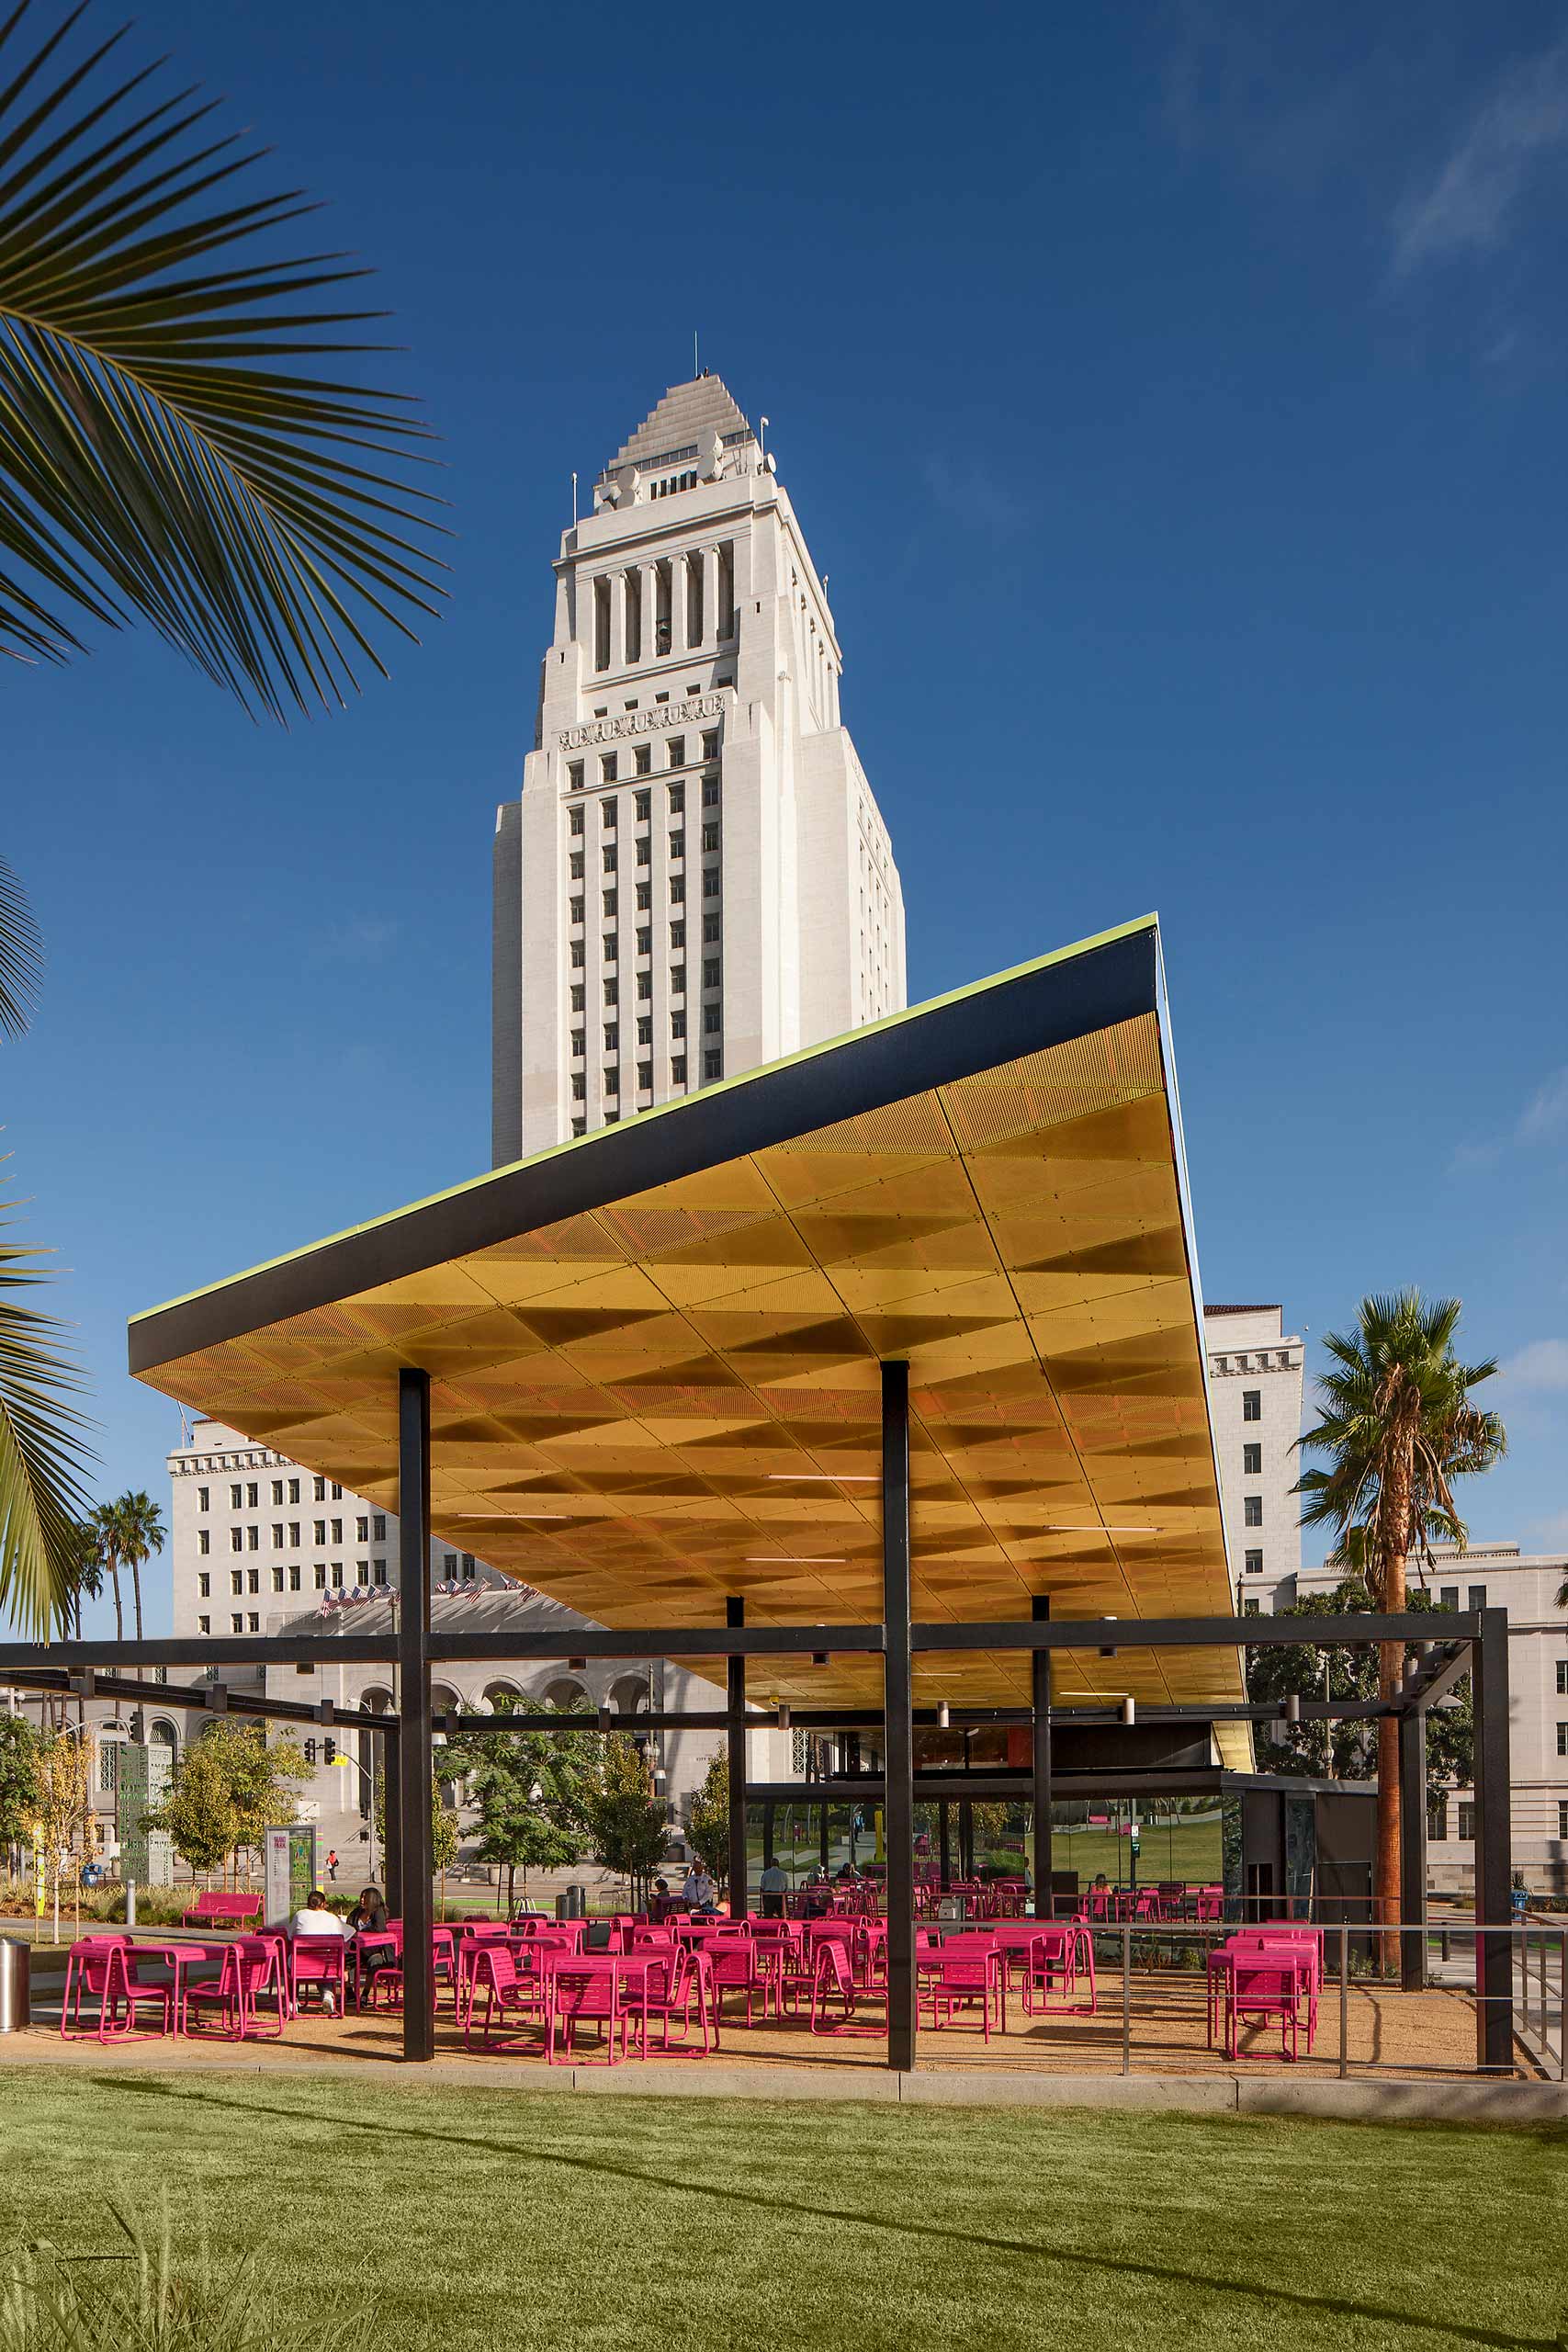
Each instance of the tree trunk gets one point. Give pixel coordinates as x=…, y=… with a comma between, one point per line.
x=136, y=1594
x=119, y=1611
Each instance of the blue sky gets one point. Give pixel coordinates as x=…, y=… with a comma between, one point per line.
x=1175, y=397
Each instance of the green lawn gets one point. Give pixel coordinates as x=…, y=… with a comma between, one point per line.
x=476, y=2217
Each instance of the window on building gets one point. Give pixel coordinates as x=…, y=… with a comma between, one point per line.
x=1438, y=1817
x=277, y=1492
x=644, y=987
x=236, y=1539
x=293, y=1579
x=277, y=1536
x=710, y=881
x=612, y=903
x=644, y=767
x=293, y=1534
x=320, y=1486
x=1252, y=1510
x=337, y=1573
x=574, y=910
x=319, y=1576
x=362, y=1572
x=611, y=1081
x=574, y=824
x=252, y=1538
x=712, y=1020
x=449, y=1565
x=204, y=1540
x=612, y=1037
x=710, y=836
x=1563, y=1818
x=204, y=1498
x=236, y=1497
x=253, y=1579
x=580, y=1126
x=607, y=947
x=237, y=1622
x=362, y=1528
x=609, y=812
x=254, y=1623
x=607, y=857
x=1476, y=1598
x=579, y=1043
x=611, y=991
x=1254, y=1564
x=1251, y=1608
x=574, y=777
x=644, y=938
x=678, y=933
x=678, y=844
x=1252, y=1404
x=579, y=1086
x=1447, y=1596
x=204, y=1624
x=677, y=797
x=644, y=1029
x=578, y=954
x=713, y=967
x=337, y=1492
x=677, y=753
x=1562, y=1739
x=712, y=1066
x=294, y=1490
x=645, y=1076
x=579, y=997
x=379, y=1571
x=1252, y=1461
x=252, y=1495
x=677, y=980
x=710, y=792
x=642, y=808
x=710, y=747
x=204, y=1584
x=678, y=1070
x=321, y=1527
x=1467, y=1821
x=608, y=766
x=710, y=930
x=1563, y=1678
x=277, y=1578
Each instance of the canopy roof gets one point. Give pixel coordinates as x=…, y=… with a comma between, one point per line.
x=654, y=1351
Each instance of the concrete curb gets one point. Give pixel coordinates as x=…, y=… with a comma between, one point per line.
x=1520, y=2105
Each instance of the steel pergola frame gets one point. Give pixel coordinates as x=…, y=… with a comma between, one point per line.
x=1474, y=1643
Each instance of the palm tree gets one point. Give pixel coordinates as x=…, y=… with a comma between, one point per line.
x=1398, y=1425
x=86, y=1577
x=41, y=1450
x=168, y=446
x=140, y=1523
x=102, y=1526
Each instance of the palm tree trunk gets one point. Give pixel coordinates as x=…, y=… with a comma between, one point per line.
x=136, y=1592
x=119, y=1611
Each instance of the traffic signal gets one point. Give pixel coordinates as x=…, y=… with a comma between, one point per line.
x=311, y=1752
x=330, y=1751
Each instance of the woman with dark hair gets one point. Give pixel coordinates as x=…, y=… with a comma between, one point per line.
x=368, y=1913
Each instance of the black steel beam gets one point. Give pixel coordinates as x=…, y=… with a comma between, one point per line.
x=1187, y=1632
x=1435, y=1682
x=1494, y=1860
x=258, y=1649
x=1040, y=1762
x=735, y=1716
x=1413, y=1849
x=655, y=1641
x=898, y=1742
x=196, y=1695
x=984, y=1788
x=416, y=1859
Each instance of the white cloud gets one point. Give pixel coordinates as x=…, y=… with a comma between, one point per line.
x=975, y=497
x=1543, y=1365
x=1468, y=208
x=365, y=939
x=1546, y=1113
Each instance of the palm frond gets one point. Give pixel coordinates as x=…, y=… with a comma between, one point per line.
x=42, y=1453
x=166, y=446
x=21, y=954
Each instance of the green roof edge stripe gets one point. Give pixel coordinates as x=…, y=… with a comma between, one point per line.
x=662, y=1109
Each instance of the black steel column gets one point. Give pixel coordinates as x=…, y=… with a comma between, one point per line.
x=944, y=1832
x=1494, y=1872
x=415, y=1858
x=1413, y=1849
x=1040, y=1766
x=735, y=1614
x=822, y=1837
x=899, y=1734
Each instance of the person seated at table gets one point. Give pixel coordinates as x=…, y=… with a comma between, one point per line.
x=847, y=1871
x=314, y=1919
x=773, y=1885
x=699, y=1894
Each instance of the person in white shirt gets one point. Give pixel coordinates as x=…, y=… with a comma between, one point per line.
x=697, y=1894
x=315, y=1919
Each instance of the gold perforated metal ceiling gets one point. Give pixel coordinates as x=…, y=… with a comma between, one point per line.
x=654, y=1352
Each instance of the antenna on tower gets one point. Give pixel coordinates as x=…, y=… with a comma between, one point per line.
x=693, y=351
x=574, y=502
x=761, y=436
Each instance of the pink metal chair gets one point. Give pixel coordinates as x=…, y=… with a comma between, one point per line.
x=508, y=1982
x=109, y=1971
x=322, y=1963
x=87, y=1972
x=833, y=1979
x=249, y=1968
x=1259, y=1985
x=967, y=1970
x=670, y=1989
x=735, y=1969
x=579, y=1992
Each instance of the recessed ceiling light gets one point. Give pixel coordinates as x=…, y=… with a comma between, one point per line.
x=792, y=1560
x=827, y=1477
x=504, y=1516
x=1102, y=1530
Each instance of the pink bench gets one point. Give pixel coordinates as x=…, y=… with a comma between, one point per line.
x=213, y=1910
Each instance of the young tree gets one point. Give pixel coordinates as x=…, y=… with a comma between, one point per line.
x=707, y=1821
x=18, y=1783
x=64, y=1765
x=625, y=1821
x=529, y=1790
x=229, y=1786
x=1398, y=1426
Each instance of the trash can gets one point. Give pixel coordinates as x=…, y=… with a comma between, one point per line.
x=571, y=1902
x=953, y=1906
x=16, y=1966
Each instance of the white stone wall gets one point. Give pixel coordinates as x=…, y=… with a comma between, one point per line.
x=1251, y=1354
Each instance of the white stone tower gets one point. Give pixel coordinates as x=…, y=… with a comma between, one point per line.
x=696, y=877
